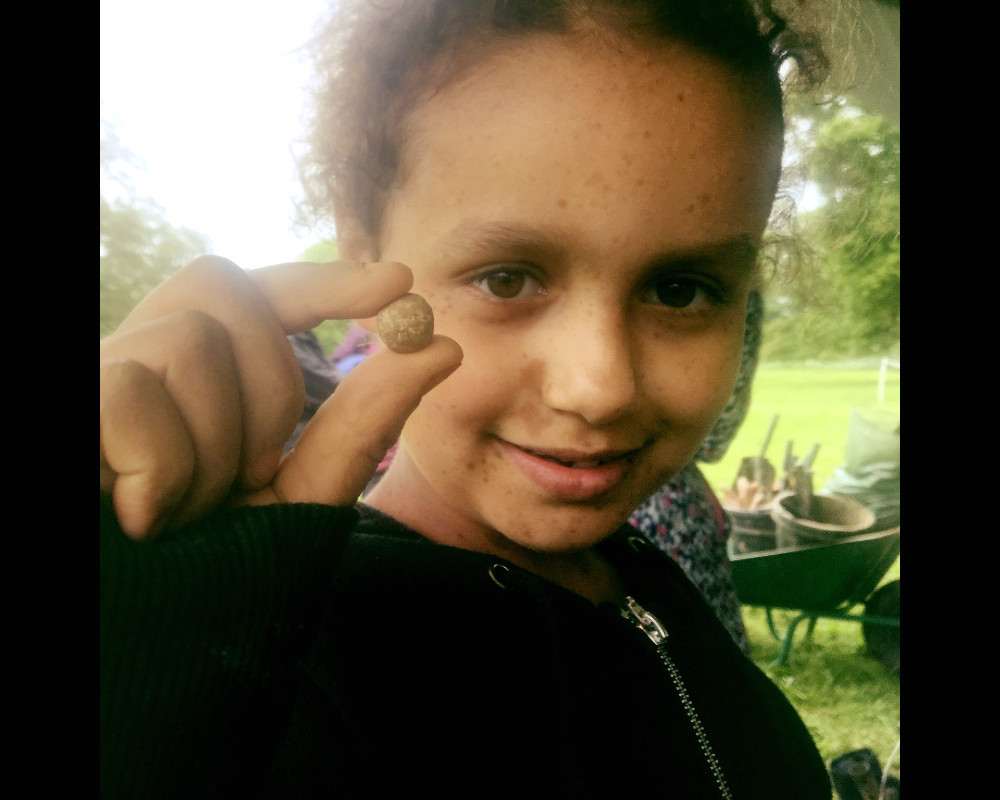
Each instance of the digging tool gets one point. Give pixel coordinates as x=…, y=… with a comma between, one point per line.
x=758, y=469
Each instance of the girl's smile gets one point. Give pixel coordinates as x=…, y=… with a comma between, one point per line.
x=569, y=475
x=589, y=239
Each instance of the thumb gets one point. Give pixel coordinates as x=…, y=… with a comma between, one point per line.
x=338, y=451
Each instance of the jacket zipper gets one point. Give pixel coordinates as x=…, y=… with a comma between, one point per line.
x=657, y=634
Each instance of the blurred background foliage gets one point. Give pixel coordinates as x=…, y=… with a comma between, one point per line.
x=139, y=248
x=843, y=300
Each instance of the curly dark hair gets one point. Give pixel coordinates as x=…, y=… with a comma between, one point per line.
x=376, y=59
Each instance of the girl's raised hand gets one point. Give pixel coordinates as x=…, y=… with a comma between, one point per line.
x=200, y=390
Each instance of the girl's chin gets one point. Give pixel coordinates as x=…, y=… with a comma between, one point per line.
x=547, y=529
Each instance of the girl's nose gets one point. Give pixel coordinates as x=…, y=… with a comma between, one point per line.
x=589, y=365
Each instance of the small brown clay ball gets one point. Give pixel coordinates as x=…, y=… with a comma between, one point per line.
x=406, y=324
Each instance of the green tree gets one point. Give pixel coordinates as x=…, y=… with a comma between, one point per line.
x=846, y=304
x=139, y=248
x=856, y=166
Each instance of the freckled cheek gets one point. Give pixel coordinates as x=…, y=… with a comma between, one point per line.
x=490, y=364
x=449, y=432
x=480, y=390
x=691, y=390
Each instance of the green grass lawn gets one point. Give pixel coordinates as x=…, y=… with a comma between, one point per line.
x=813, y=406
x=848, y=699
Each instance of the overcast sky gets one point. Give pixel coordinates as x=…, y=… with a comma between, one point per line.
x=208, y=95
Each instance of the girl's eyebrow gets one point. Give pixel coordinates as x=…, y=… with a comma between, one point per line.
x=741, y=248
x=520, y=237
x=516, y=237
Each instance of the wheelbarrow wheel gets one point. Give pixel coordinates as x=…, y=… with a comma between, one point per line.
x=881, y=640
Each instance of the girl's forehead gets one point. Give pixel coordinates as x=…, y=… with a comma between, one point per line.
x=569, y=87
x=560, y=122
x=609, y=69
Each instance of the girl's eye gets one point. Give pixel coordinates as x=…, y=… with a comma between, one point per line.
x=679, y=293
x=507, y=284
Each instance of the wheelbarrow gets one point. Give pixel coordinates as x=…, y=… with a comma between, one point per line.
x=829, y=581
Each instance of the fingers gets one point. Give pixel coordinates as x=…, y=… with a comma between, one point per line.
x=269, y=381
x=143, y=485
x=200, y=387
x=304, y=294
x=257, y=309
x=171, y=426
x=343, y=444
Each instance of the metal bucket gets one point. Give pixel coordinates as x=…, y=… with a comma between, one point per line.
x=753, y=531
x=831, y=517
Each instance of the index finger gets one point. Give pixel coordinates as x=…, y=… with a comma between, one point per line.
x=304, y=294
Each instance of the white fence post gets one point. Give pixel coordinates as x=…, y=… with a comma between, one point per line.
x=886, y=362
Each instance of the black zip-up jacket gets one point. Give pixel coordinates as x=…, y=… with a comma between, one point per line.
x=303, y=651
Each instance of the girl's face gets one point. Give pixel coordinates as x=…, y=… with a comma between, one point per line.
x=584, y=223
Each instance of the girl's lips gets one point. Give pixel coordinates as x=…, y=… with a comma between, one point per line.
x=563, y=481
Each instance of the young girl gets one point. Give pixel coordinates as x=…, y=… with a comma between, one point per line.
x=579, y=190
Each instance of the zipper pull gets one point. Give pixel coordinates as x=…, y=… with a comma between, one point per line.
x=644, y=621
